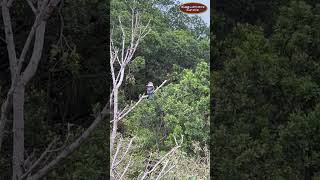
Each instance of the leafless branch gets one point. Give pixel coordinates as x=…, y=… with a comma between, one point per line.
x=34, y=10
x=124, y=154
x=32, y=67
x=39, y=160
x=4, y=114
x=70, y=148
x=116, y=153
x=166, y=172
x=3, y=40
x=166, y=156
x=9, y=4
x=118, y=159
x=162, y=170
x=123, y=40
x=126, y=169
x=122, y=115
x=123, y=56
x=61, y=23
x=29, y=160
x=173, y=150
x=31, y=34
x=9, y=37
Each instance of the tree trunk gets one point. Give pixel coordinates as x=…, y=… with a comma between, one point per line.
x=18, y=132
x=115, y=119
x=12, y=61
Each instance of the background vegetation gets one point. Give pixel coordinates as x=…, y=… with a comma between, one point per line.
x=265, y=90
x=73, y=81
x=176, y=49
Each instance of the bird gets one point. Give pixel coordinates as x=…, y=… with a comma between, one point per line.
x=150, y=89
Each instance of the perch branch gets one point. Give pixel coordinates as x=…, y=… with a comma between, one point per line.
x=138, y=102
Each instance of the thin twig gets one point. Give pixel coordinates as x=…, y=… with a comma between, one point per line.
x=159, y=162
x=2, y=39
x=126, y=169
x=125, y=153
x=42, y=156
x=116, y=154
x=166, y=172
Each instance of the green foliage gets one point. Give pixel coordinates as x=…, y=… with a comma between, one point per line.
x=178, y=109
x=178, y=47
x=70, y=59
x=191, y=167
x=70, y=86
x=300, y=139
x=175, y=38
x=186, y=166
x=265, y=96
x=89, y=161
x=71, y=76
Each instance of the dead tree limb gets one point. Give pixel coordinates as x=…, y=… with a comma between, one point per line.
x=20, y=78
x=70, y=148
x=123, y=56
x=166, y=156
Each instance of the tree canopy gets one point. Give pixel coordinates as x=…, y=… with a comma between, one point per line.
x=265, y=91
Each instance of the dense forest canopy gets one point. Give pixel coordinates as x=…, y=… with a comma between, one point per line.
x=265, y=90
x=176, y=49
x=70, y=80
x=72, y=84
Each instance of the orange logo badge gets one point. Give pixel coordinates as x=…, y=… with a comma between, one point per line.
x=193, y=8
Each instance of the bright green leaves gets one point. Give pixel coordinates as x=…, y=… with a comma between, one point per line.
x=177, y=109
x=137, y=64
x=180, y=47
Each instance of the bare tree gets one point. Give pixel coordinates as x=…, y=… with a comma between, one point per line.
x=123, y=56
x=30, y=167
x=121, y=161
x=120, y=58
x=164, y=170
x=19, y=76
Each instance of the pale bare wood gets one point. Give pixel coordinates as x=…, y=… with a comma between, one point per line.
x=40, y=159
x=126, y=55
x=126, y=169
x=116, y=154
x=38, y=20
x=34, y=10
x=164, y=173
x=9, y=36
x=173, y=150
x=115, y=164
x=70, y=148
x=123, y=57
x=15, y=66
x=129, y=109
x=9, y=4
x=32, y=67
x=162, y=170
x=16, y=94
